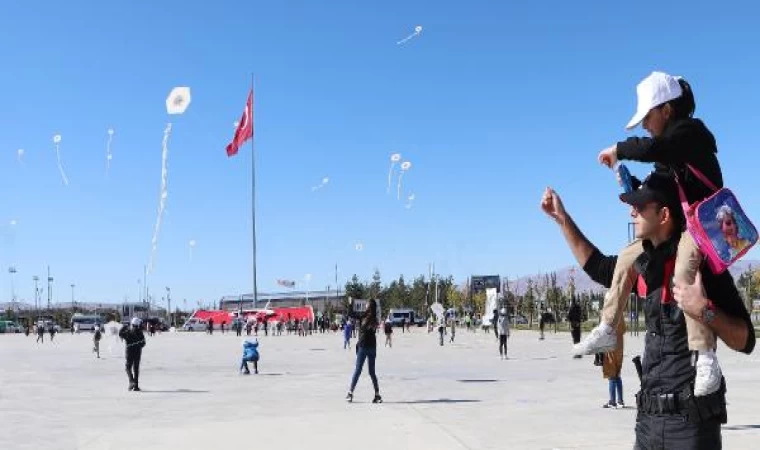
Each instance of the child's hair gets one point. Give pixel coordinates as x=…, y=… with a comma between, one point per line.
x=685, y=105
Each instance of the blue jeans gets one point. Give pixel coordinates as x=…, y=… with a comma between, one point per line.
x=616, y=384
x=244, y=363
x=368, y=354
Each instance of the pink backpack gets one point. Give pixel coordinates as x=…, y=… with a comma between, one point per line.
x=718, y=224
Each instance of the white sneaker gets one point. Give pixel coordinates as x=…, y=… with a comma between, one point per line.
x=600, y=340
x=708, y=374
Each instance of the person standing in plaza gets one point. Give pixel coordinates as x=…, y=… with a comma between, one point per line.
x=366, y=350
x=494, y=319
x=502, y=327
x=574, y=317
x=347, y=333
x=453, y=325
x=52, y=331
x=210, y=325
x=134, y=341
x=388, y=329
x=40, y=333
x=96, y=341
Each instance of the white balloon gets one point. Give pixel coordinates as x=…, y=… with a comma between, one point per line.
x=359, y=246
x=406, y=165
x=325, y=180
x=110, y=131
x=13, y=222
x=57, y=139
x=418, y=29
x=396, y=157
x=178, y=100
x=192, y=243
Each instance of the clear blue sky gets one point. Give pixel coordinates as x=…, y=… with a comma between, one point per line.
x=494, y=101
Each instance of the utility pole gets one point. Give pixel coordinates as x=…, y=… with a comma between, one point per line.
x=36, y=294
x=169, y=303
x=50, y=290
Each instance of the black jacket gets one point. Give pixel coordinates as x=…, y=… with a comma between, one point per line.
x=367, y=330
x=133, y=337
x=574, y=315
x=685, y=141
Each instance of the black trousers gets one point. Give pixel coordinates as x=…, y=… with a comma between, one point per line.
x=675, y=433
x=503, y=344
x=576, y=333
x=132, y=365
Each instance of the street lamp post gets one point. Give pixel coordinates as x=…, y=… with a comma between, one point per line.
x=36, y=294
x=73, y=302
x=50, y=290
x=12, y=271
x=169, y=304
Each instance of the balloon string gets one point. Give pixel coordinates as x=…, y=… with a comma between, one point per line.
x=400, y=177
x=108, y=153
x=162, y=198
x=60, y=166
x=390, y=175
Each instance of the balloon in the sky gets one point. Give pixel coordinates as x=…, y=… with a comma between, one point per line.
x=406, y=165
x=13, y=222
x=178, y=100
x=359, y=246
x=396, y=157
x=176, y=103
x=192, y=246
x=20, y=154
x=324, y=182
x=57, y=141
x=410, y=201
x=417, y=32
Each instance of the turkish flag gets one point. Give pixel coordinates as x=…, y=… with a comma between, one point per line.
x=244, y=130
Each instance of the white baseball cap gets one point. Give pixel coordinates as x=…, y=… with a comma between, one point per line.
x=136, y=321
x=656, y=89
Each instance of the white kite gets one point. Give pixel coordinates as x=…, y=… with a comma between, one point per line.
x=192, y=246
x=20, y=155
x=396, y=157
x=176, y=103
x=57, y=142
x=406, y=165
x=410, y=201
x=109, y=155
x=417, y=32
x=324, y=182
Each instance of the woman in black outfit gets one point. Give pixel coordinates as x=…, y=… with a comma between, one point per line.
x=366, y=349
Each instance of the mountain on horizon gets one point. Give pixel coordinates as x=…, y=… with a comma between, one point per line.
x=585, y=284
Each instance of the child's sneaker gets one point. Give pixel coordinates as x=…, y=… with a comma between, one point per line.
x=601, y=339
x=708, y=374
x=350, y=397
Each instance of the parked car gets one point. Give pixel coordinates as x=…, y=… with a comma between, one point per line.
x=157, y=322
x=195, y=325
x=519, y=319
x=9, y=326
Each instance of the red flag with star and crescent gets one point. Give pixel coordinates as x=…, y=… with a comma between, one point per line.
x=244, y=130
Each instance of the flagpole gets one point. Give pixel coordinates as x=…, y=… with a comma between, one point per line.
x=253, y=191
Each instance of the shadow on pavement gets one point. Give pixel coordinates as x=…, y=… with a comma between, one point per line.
x=435, y=401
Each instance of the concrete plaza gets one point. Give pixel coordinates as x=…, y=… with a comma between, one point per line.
x=461, y=396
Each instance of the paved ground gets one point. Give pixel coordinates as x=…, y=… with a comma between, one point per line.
x=461, y=396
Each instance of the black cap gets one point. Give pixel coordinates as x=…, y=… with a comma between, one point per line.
x=658, y=187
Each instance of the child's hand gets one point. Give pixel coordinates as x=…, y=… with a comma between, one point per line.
x=608, y=156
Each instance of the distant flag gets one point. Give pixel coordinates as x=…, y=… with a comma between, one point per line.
x=244, y=129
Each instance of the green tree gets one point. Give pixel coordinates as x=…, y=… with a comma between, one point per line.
x=529, y=300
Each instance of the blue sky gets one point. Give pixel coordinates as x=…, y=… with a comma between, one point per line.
x=494, y=101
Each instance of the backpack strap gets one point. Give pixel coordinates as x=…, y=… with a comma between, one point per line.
x=702, y=177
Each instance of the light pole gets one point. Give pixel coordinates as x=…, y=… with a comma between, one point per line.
x=73, y=302
x=169, y=303
x=50, y=290
x=12, y=271
x=36, y=294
